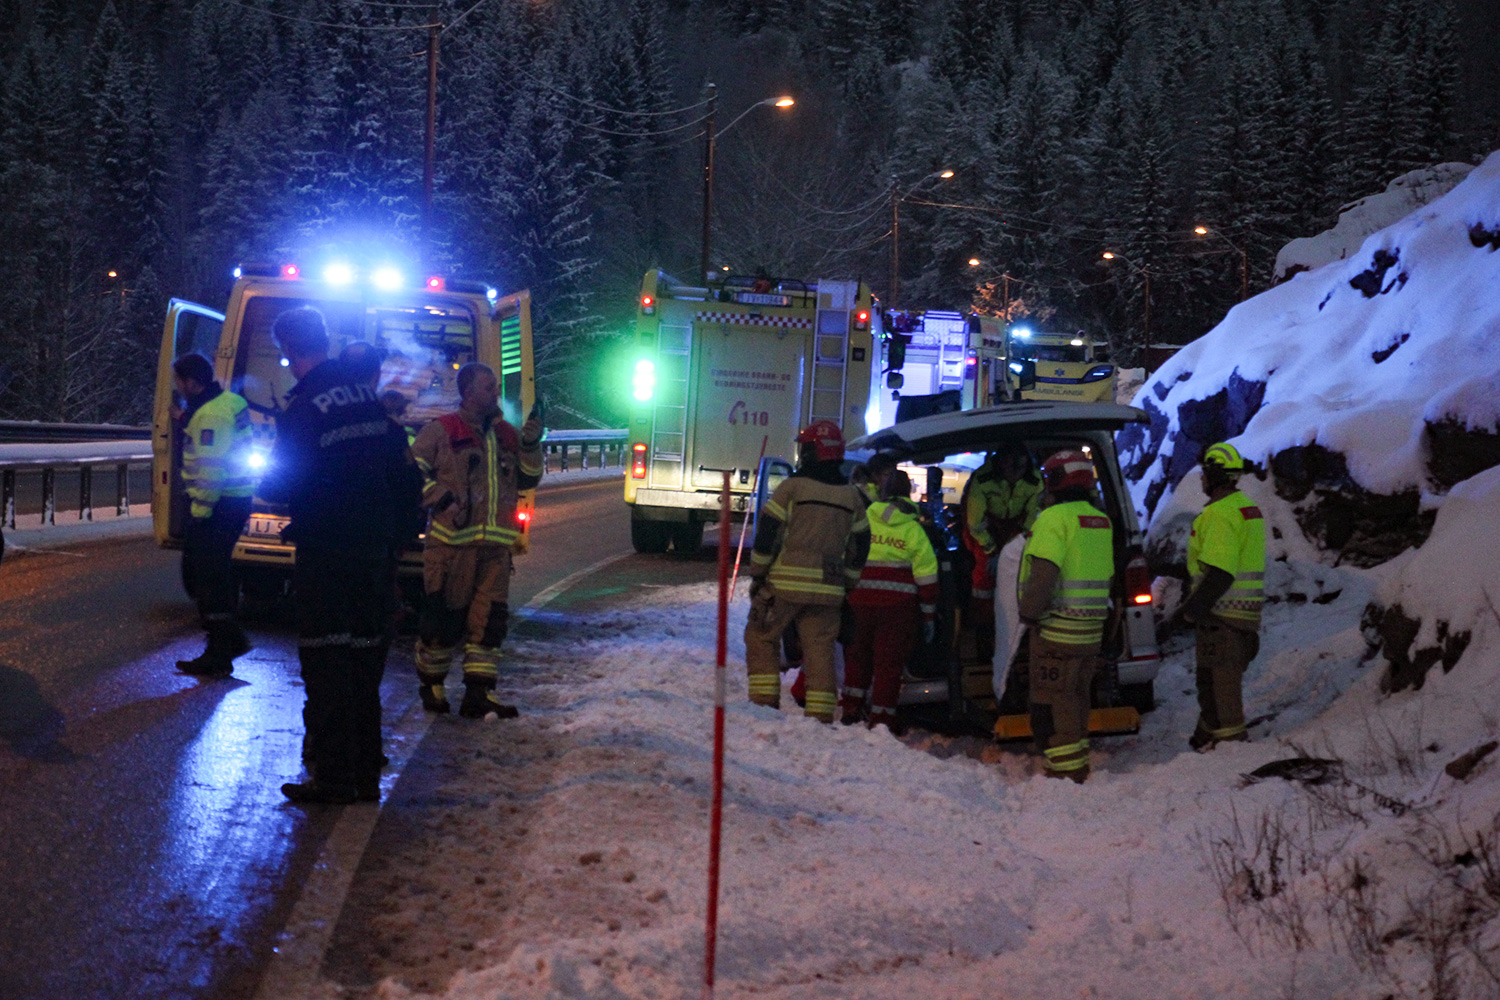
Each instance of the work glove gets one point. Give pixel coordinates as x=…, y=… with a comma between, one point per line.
x=929, y=631
x=531, y=432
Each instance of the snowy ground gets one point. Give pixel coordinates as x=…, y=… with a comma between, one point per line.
x=563, y=854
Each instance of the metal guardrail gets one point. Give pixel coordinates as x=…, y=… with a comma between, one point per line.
x=85, y=459
x=604, y=445
x=48, y=458
x=28, y=432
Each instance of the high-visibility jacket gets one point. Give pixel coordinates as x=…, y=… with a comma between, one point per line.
x=216, y=451
x=813, y=538
x=902, y=568
x=1079, y=540
x=472, y=477
x=994, y=504
x=1230, y=535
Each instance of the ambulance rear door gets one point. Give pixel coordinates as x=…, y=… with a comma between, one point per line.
x=190, y=327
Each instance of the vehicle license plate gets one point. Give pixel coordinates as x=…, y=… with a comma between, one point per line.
x=265, y=527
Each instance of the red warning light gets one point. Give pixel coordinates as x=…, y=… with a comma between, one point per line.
x=435, y=284
x=523, y=516
x=291, y=271
x=648, y=305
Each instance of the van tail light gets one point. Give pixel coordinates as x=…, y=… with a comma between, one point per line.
x=1138, y=581
x=638, y=460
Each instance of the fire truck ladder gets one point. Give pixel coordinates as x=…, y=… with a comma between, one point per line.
x=669, y=425
x=831, y=351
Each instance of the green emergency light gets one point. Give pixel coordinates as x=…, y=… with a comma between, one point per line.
x=645, y=380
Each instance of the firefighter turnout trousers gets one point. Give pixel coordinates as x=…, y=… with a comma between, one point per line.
x=1061, y=676
x=1224, y=653
x=467, y=594
x=817, y=627
x=344, y=602
x=207, y=551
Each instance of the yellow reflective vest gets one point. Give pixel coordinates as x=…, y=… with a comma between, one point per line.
x=902, y=568
x=1230, y=535
x=216, y=452
x=993, y=500
x=1079, y=540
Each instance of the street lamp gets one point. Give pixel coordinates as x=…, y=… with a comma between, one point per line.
x=1244, y=258
x=708, y=162
x=1145, y=273
x=896, y=201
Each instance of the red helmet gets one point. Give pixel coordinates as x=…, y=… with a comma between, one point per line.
x=1068, y=468
x=826, y=438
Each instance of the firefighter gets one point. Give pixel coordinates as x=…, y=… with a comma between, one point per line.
x=474, y=465
x=1066, y=570
x=810, y=546
x=1000, y=502
x=1227, y=563
x=344, y=471
x=216, y=470
x=894, y=602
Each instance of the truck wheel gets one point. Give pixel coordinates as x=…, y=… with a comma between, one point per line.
x=1141, y=697
x=687, y=539
x=649, y=537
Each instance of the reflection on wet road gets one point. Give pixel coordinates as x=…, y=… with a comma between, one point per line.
x=145, y=848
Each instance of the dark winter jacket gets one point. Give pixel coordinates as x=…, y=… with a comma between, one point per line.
x=341, y=466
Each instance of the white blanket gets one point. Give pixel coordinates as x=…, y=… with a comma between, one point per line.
x=1008, y=627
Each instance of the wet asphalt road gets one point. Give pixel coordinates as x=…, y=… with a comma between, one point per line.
x=145, y=848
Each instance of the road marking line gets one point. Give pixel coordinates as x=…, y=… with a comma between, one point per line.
x=302, y=945
x=551, y=593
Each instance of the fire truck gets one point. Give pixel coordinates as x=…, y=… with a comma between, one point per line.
x=938, y=361
x=429, y=328
x=726, y=374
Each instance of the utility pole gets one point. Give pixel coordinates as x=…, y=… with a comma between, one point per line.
x=895, y=242
x=429, y=158
x=708, y=181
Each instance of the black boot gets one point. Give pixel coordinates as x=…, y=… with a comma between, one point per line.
x=480, y=700
x=211, y=663
x=434, y=698
x=313, y=790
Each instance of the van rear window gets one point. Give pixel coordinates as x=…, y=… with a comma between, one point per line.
x=427, y=345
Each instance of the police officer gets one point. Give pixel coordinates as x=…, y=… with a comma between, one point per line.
x=810, y=546
x=216, y=470
x=1001, y=500
x=894, y=602
x=1227, y=563
x=474, y=466
x=1066, y=570
x=344, y=471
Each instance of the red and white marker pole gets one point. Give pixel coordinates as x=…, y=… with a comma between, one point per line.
x=745, y=524
x=716, y=814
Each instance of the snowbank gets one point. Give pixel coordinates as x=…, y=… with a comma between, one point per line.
x=1367, y=387
x=857, y=865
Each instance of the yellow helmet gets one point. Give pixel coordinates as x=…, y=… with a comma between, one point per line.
x=1226, y=457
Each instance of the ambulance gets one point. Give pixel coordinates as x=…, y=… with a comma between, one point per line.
x=430, y=327
x=1072, y=368
x=725, y=375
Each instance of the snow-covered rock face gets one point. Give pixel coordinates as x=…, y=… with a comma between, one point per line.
x=1359, y=219
x=1366, y=389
